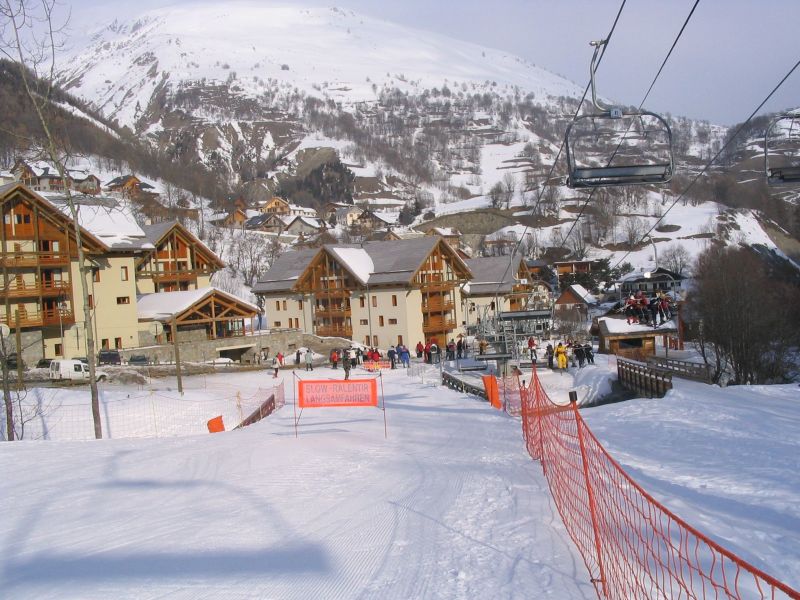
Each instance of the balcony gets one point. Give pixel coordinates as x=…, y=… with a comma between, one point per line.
x=32, y=259
x=332, y=311
x=344, y=331
x=437, y=286
x=17, y=289
x=432, y=307
x=42, y=318
x=436, y=325
x=177, y=274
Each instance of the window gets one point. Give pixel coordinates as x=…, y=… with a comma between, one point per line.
x=96, y=275
x=276, y=324
x=277, y=304
x=399, y=340
x=77, y=367
x=300, y=304
x=380, y=320
x=361, y=302
x=375, y=340
x=374, y=302
x=118, y=343
x=123, y=299
x=104, y=343
x=123, y=273
x=394, y=300
x=59, y=350
x=364, y=322
x=284, y=305
x=90, y=301
x=366, y=340
x=392, y=321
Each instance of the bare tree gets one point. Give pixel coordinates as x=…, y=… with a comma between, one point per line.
x=634, y=229
x=676, y=258
x=496, y=195
x=509, y=187
x=29, y=38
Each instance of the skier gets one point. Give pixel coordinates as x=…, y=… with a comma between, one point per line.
x=549, y=356
x=392, y=354
x=334, y=358
x=420, y=349
x=630, y=310
x=579, y=354
x=346, y=366
x=561, y=356
x=275, y=367
x=309, y=360
x=587, y=351
x=459, y=348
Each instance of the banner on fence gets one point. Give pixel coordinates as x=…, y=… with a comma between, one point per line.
x=492, y=393
x=376, y=365
x=323, y=393
x=216, y=425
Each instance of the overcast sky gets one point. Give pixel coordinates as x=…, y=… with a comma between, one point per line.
x=731, y=55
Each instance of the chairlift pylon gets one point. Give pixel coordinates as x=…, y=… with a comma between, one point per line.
x=785, y=170
x=618, y=126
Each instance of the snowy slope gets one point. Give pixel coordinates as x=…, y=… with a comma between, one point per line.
x=325, y=52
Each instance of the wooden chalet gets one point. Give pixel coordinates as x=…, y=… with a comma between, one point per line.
x=129, y=186
x=633, y=341
x=574, y=298
x=275, y=205
x=498, y=279
x=568, y=267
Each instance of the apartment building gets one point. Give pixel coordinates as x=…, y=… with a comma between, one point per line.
x=377, y=293
x=40, y=289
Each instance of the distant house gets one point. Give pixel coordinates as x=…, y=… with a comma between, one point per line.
x=304, y=226
x=237, y=218
x=347, y=215
x=269, y=223
x=569, y=267
x=372, y=220
x=330, y=209
x=649, y=282
x=574, y=298
x=129, y=186
x=275, y=205
x=497, y=279
x=39, y=176
x=451, y=235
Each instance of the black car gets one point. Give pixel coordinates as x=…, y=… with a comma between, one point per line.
x=11, y=360
x=138, y=360
x=109, y=357
x=44, y=363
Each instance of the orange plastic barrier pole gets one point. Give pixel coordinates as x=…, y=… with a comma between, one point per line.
x=216, y=425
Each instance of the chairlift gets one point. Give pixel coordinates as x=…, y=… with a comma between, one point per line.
x=628, y=134
x=781, y=142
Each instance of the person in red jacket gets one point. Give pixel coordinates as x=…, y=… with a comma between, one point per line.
x=630, y=310
x=420, y=349
x=428, y=352
x=532, y=348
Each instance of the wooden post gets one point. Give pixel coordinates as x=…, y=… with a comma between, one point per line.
x=573, y=401
x=177, y=354
x=18, y=342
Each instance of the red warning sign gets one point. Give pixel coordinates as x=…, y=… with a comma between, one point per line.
x=321, y=393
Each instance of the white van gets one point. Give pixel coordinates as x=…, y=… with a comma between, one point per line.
x=73, y=369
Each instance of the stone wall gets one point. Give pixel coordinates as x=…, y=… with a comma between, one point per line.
x=31, y=346
x=199, y=350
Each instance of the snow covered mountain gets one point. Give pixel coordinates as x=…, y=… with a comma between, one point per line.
x=325, y=52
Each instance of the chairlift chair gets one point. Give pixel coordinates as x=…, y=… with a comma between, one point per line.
x=630, y=130
x=786, y=169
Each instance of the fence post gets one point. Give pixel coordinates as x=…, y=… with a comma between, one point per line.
x=573, y=401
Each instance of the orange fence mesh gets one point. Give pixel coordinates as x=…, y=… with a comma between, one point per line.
x=633, y=546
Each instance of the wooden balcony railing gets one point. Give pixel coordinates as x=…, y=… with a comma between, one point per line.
x=35, y=289
x=438, y=325
x=345, y=331
x=434, y=286
x=32, y=259
x=438, y=307
x=42, y=318
x=332, y=312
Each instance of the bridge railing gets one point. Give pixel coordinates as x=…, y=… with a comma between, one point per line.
x=681, y=368
x=650, y=381
x=633, y=546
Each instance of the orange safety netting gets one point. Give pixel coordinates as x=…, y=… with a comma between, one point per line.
x=633, y=546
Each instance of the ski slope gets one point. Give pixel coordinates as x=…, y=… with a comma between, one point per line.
x=448, y=506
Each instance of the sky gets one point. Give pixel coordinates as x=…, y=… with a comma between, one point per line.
x=731, y=55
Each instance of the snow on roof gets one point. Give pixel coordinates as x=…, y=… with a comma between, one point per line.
x=164, y=305
x=107, y=219
x=616, y=326
x=356, y=259
x=583, y=293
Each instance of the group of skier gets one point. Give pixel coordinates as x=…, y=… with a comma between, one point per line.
x=653, y=311
x=573, y=353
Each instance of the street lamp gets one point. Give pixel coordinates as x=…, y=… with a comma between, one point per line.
x=62, y=306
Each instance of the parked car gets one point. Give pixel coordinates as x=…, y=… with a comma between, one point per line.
x=44, y=363
x=73, y=369
x=109, y=357
x=138, y=360
x=11, y=360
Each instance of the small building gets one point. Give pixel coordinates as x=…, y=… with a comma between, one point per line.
x=275, y=205
x=305, y=226
x=347, y=215
x=633, y=341
x=650, y=282
x=575, y=298
x=451, y=235
x=569, y=267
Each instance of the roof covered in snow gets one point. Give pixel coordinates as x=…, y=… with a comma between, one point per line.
x=583, y=293
x=164, y=305
x=620, y=326
x=108, y=219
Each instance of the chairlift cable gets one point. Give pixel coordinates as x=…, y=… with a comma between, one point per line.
x=710, y=162
x=561, y=148
x=644, y=99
